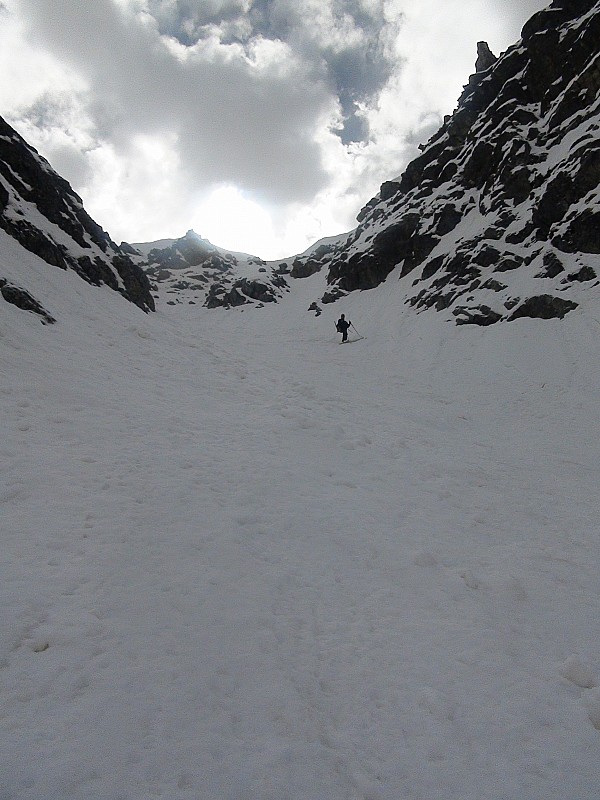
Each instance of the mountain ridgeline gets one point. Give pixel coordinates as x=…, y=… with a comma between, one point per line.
x=498, y=218
x=41, y=211
x=504, y=197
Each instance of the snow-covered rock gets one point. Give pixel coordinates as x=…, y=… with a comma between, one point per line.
x=191, y=270
x=41, y=211
x=480, y=226
x=497, y=219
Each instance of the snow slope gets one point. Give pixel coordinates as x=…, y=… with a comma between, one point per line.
x=240, y=561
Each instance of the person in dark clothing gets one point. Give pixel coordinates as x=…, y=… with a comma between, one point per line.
x=342, y=326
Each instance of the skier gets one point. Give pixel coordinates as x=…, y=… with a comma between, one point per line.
x=342, y=327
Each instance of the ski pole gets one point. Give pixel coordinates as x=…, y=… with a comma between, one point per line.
x=359, y=334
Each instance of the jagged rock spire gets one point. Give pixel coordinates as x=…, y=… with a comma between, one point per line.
x=485, y=57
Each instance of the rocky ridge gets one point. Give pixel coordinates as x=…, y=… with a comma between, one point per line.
x=41, y=211
x=496, y=219
x=487, y=223
x=191, y=270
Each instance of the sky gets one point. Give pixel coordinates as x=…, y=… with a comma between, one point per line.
x=264, y=125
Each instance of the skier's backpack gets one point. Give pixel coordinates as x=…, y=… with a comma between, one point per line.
x=337, y=327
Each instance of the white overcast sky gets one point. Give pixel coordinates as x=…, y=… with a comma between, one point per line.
x=264, y=125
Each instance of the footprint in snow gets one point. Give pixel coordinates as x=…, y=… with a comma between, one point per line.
x=578, y=673
x=425, y=559
x=591, y=701
x=435, y=703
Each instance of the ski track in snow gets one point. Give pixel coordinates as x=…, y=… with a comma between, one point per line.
x=242, y=562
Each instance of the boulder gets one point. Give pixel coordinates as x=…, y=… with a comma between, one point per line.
x=20, y=298
x=478, y=315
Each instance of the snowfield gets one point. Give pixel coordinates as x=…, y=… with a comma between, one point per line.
x=241, y=562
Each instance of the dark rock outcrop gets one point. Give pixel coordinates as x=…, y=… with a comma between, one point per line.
x=582, y=234
x=219, y=297
x=508, y=183
x=304, y=268
x=60, y=231
x=543, y=306
x=552, y=266
x=20, y=298
x=478, y=315
x=485, y=57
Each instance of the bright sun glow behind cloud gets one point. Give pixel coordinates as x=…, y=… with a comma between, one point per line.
x=232, y=220
x=263, y=126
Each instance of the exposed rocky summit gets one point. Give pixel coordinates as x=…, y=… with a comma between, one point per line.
x=483, y=224
x=192, y=270
x=41, y=211
x=496, y=219
x=485, y=57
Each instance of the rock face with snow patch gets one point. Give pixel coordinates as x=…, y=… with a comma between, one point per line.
x=487, y=222
x=41, y=211
x=192, y=270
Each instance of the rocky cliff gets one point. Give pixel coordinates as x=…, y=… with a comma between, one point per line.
x=499, y=217
x=41, y=211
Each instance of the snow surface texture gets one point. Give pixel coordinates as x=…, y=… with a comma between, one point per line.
x=242, y=562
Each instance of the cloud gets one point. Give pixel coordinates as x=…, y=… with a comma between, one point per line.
x=341, y=42
x=151, y=107
x=348, y=40
x=238, y=113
